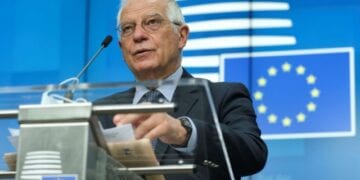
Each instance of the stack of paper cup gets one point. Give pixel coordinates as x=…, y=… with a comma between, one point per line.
x=40, y=163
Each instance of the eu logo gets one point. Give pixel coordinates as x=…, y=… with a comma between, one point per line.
x=298, y=94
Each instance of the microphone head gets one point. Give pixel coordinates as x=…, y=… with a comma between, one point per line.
x=106, y=41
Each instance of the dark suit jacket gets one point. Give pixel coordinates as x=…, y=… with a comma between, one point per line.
x=247, y=151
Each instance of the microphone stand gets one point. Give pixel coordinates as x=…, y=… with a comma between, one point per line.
x=70, y=93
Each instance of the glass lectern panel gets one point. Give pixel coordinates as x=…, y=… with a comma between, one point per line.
x=127, y=126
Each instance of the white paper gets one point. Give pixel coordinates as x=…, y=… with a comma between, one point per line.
x=14, y=132
x=120, y=133
x=14, y=141
x=14, y=137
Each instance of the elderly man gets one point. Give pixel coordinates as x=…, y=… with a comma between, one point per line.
x=152, y=35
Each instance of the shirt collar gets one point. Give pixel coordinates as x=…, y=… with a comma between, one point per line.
x=167, y=89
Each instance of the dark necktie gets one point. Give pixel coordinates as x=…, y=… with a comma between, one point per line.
x=153, y=96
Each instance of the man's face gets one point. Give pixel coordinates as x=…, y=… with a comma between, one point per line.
x=150, y=44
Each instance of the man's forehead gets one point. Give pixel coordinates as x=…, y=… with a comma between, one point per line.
x=134, y=8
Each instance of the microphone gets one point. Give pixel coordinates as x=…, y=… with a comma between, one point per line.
x=104, y=44
x=69, y=94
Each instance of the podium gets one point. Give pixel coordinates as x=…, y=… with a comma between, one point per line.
x=63, y=140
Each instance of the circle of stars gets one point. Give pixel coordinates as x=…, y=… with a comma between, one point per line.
x=300, y=117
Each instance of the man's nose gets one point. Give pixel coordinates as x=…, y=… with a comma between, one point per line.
x=139, y=34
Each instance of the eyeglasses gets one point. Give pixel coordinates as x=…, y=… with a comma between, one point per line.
x=150, y=24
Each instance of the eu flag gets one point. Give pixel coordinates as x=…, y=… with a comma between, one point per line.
x=301, y=93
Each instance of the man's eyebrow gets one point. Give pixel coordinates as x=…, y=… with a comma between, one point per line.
x=144, y=17
x=153, y=15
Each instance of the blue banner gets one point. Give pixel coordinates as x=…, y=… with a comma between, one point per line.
x=297, y=94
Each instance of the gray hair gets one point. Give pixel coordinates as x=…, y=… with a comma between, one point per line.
x=173, y=12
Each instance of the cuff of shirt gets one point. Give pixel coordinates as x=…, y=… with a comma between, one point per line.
x=192, y=140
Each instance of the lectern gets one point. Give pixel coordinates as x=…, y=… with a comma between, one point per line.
x=63, y=139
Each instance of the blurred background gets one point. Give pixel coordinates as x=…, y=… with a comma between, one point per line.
x=298, y=58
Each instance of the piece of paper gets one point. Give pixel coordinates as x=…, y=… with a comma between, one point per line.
x=136, y=153
x=14, y=137
x=119, y=133
x=14, y=132
x=10, y=159
x=130, y=152
x=14, y=141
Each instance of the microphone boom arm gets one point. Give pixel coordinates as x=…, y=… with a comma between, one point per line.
x=104, y=44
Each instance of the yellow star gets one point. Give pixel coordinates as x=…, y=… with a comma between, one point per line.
x=258, y=95
x=262, y=82
x=286, y=67
x=311, y=107
x=272, y=71
x=301, y=117
x=272, y=118
x=300, y=70
x=286, y=122
x=262, y=109
x=315, y=93
x=311, y=79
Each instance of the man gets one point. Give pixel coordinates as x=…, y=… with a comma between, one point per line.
x=152, y=35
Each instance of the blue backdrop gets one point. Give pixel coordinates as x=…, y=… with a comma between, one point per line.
x=45, y=42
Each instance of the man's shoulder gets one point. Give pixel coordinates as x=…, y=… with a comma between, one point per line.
x=218, y=87
x=223, y=85
x=117, y=98
x=231, y=89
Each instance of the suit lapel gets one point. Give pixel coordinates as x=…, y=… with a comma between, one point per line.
x=184, y=97
x=125, y=97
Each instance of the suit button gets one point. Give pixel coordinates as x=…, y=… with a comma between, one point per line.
x=210, y=164
x=206, y=163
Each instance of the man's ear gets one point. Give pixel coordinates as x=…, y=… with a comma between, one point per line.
x=119, y=42
x=184, y=33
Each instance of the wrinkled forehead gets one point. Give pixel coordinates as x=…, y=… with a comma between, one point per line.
x=137, y=9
